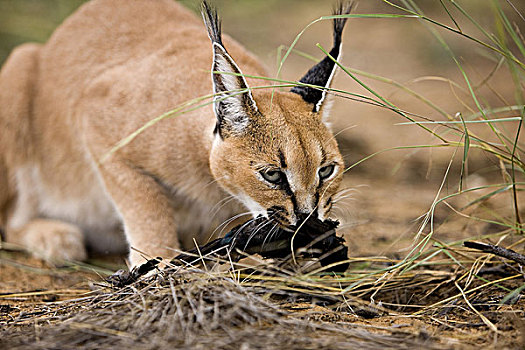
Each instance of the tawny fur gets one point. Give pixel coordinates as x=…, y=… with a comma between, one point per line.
x=106, y=71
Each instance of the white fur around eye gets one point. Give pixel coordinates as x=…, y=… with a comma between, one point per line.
x=272, y=176
x=268, y=180
x=326, y=172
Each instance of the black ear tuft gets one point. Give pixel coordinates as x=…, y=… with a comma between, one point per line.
x=212, y=22
x=342, y=8
x=322, y=73
x=233, y=100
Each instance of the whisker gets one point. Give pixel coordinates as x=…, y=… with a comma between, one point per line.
x=350, y=225
x=211, y=183
x=257, y=229
x=228, y=221
x=344, y=199
x=239, y=231
x=341, y=212
x=344, y=192
x=270, y=235
x=217, y=207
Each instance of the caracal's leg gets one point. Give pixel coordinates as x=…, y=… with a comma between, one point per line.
x=145, y=206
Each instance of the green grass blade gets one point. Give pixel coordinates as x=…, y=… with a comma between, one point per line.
x=394, y=108
x=466, y=148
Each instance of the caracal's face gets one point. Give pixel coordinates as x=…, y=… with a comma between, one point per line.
x=284, y=165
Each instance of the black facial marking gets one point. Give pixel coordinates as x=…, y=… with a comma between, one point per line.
x=328, y=205
x=282, y=161
x=290, y=194
x=278, y=213
x=323, y=156
x=316, y=199
x=276, y=208
x=285, y=186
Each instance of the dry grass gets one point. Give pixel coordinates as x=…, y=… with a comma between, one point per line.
x=434, y=306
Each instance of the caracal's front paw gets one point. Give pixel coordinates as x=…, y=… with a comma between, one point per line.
x=54, y=240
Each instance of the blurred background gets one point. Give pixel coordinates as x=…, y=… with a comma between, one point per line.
x=401, y=60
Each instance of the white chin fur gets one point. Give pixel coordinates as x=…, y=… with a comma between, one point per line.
x=255, y=208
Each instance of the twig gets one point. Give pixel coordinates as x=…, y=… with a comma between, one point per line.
x=499, y=251
x=122, y=278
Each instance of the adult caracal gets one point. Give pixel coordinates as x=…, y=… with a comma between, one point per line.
x=105, y=72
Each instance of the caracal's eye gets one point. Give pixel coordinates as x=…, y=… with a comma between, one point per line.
x=326, y=171
x=273, y=176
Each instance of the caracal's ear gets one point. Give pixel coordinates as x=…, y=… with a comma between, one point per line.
x=323, y=72
x=234, y=103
